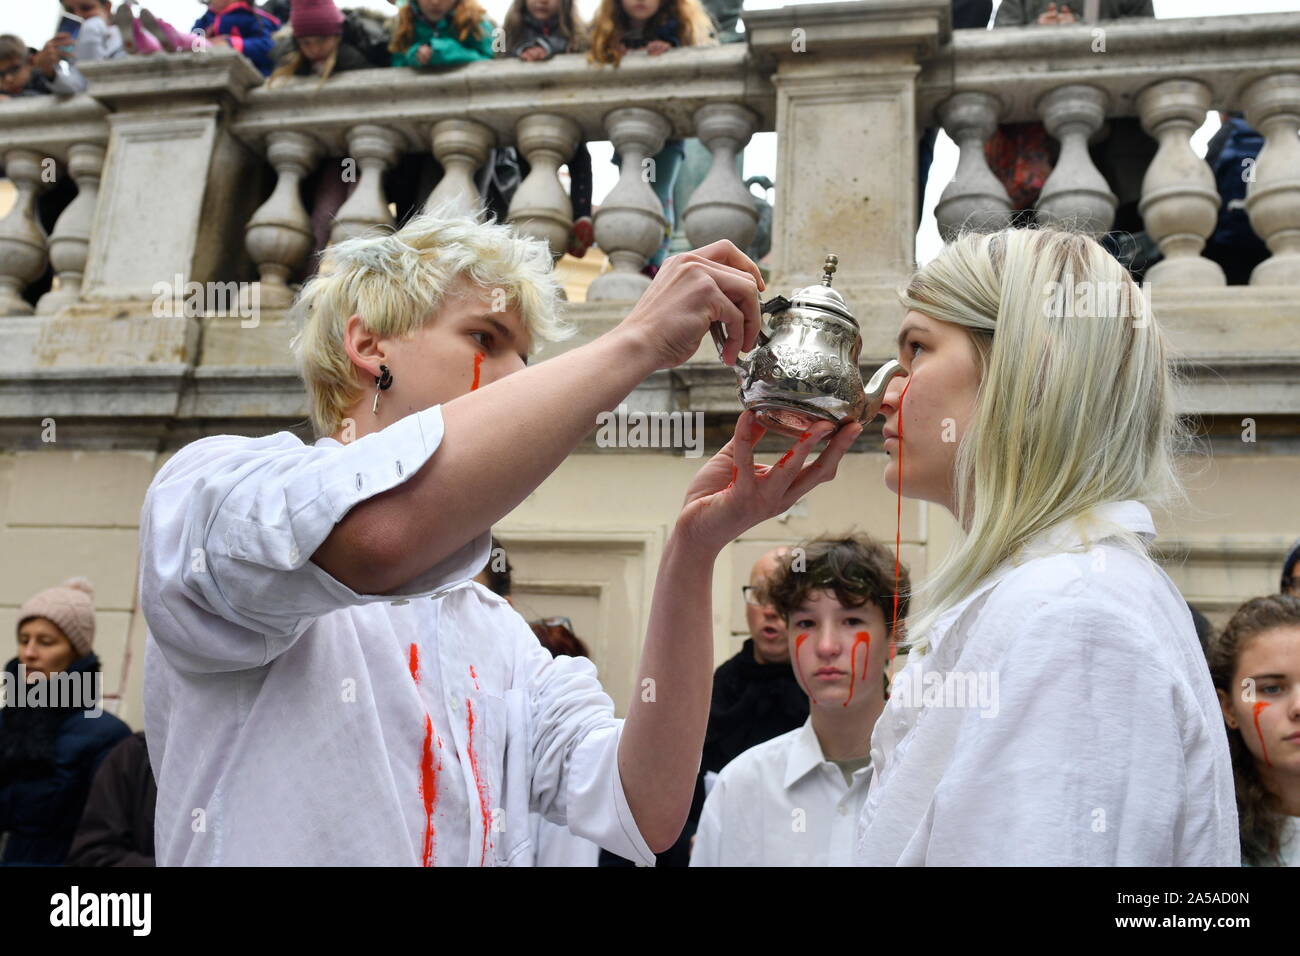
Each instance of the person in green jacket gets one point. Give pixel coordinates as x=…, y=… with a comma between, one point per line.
x=441, y=32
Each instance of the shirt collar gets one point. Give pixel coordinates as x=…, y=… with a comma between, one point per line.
x=805, y=754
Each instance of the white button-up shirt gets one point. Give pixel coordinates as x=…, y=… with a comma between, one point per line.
x=291, y=720
x=1095, y=737
x=781, y=803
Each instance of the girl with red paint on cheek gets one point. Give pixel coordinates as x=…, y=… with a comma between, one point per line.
x=1255, y=664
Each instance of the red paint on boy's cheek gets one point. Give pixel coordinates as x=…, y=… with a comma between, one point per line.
x=862, y=637
x=798, y=646
x=1259, y=706
x=478, y=782
x=478, y=361
x=898, y=530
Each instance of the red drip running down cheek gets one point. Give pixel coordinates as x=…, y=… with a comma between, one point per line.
x=862, y=637
x=478, y=784
x=898, y=530
x=1259, y=706
x=798, y=646
x=478, y=361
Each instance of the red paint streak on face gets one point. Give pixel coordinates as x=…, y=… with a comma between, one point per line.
x=898, y=531
x=478, y=361
x=478, y=784
x=1260, y=705
x=862, y=637
x=798, y=645
x=475, y=676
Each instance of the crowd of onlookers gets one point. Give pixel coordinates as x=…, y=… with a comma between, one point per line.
x=306, y=38
x=76, y=786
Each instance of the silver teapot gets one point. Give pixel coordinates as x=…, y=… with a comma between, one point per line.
x=804, y=367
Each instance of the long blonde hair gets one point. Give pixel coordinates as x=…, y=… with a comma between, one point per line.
x=1073, y=410
x=694, y=27
x=396, y=282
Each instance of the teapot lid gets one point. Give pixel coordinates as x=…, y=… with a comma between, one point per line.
x=822, y=296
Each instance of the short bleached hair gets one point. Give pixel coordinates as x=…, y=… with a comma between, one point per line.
x=396, y=282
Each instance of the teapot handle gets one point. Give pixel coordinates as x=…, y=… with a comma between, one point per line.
x=775, y=304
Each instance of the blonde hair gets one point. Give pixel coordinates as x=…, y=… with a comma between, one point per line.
x=396, y=283
x=1072, y=410
x=694, y=27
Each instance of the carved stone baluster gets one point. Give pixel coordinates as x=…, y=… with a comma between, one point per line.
x=279, y=235
x=375, y=148
x=630, y=223
x=1075, y=195
x=1272, y=106
x=22, y=239
x=540, y=206
x=975, y=199
x=70, y=241
x=461, y=146
x=721, y=207
x=1180, y=203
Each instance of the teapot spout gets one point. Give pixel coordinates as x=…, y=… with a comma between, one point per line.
x=875, y=389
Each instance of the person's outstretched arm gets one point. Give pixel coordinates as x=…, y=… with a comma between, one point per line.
x=501, y=441
x=659, y=752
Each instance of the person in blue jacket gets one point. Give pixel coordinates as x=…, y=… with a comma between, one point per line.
x=242, y=27
x=53, y=730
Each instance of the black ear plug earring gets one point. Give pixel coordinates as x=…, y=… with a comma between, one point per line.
x=383, y=381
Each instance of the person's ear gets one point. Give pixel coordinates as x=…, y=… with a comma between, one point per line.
x=1225, y=704
x=364, y=348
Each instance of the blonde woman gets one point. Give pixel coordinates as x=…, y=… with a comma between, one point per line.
x=1055, y=708
x=325, y=684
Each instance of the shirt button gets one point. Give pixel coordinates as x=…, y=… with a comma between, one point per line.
x=455, y=702
x=844, y=811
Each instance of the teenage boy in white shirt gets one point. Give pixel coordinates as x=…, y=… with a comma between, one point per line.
x=324, y=683
x=795, y=799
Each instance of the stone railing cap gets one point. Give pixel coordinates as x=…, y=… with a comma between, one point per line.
x=135, y=82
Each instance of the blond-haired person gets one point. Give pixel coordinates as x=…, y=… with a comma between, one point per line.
x=324, y=681
x=1055, y=708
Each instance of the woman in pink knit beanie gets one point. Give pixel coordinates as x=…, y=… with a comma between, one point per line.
x=50, y=746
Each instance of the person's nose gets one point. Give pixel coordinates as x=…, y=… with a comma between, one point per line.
x=893, y=395
x=828, y=642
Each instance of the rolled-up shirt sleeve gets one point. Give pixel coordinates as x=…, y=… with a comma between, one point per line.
x=575, y=735
x=229, y=526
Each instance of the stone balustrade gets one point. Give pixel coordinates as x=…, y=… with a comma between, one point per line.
x=1167, y=73
x=190, y=169
x=544, y=110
